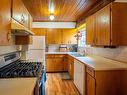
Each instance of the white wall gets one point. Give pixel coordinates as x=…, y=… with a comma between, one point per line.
x=54, y=25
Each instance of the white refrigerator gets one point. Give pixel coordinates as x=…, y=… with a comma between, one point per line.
x=36, y=51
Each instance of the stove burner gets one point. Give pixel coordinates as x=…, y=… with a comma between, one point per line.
x=21, y=69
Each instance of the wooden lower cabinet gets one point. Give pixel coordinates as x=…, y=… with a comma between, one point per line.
x=106, y=82
x=71, y=66
x=90, y=81
x=49, y=64
x=56, y=62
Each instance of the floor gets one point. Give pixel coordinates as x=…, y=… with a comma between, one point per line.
x=56, y=86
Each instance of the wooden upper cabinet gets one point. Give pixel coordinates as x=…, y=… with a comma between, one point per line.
x=107, y=27
x=57, y=36
x=68, y=36
x=119, y=23
x=90, y=25
x=20, y=13
x=5, y=18
x=102, y=26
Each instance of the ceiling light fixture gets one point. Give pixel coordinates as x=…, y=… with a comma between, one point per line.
x=51, y=6
x=51, y=17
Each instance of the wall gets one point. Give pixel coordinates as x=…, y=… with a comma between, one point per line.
x=119, y=53
x=55, y=25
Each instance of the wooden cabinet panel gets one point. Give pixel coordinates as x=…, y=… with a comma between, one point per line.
x=50, y=39
x=90, y=85
x=68, y=36
x=106, y=82
x=57, y=36
x=55, y=63
x=71, y=66
x=119, y=23
x=109, y=28
x=20, y=13
x=54, y=36
x=39, y=31
x=90, y=30
x=23, y=40
x=49, y=65
x=102, y=26
x=5, y=18
x=58, y=64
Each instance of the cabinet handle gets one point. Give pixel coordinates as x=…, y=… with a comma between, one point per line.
x=9, y=36
x=22, y=18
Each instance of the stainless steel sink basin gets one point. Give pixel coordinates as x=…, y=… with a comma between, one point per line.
x=76, y=55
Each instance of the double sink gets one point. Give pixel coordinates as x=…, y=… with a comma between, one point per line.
x=76, y=55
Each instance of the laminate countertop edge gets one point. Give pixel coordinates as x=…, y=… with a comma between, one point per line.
x=17, y=86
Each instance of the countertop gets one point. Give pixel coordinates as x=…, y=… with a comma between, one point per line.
x=17, y=86
x=101, y=63
x=97, y=62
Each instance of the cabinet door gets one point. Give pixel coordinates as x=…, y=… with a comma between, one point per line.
x=57, y=36
x=49, y=63
x=50, y=39
x=54, y=36
x=103, y=26
x=65, y=62
x=71, y=68
x=90, y=30
x=58, y=64
x=68, y=36
x=5, y=18
x=90, y=85
x=20, y=13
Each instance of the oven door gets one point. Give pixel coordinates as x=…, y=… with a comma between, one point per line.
x=40, y=86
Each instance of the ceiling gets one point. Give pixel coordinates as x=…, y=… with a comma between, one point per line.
x=64, y=10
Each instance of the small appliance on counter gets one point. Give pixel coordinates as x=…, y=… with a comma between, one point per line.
x=63, y=48
x=15, y=68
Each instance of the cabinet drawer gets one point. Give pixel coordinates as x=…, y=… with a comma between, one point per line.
x=90, y=71
x=49, y=56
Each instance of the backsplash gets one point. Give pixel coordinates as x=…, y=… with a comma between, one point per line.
x=119, y=53
x=55, y=48
x=7, y=49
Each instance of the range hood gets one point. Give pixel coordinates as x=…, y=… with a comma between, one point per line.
x=18, y=29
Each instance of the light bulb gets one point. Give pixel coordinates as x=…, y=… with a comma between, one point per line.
x=51, y=17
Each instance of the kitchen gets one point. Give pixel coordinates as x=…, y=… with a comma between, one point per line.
x=63, y=47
